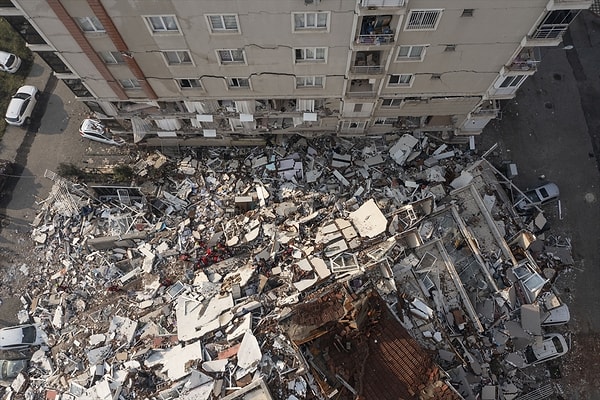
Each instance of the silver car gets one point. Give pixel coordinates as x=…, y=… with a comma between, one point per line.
x=94, y=130
x=537, y=197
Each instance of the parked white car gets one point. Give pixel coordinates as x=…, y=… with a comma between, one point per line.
x=537, y=197
x=20, y=337
x=21, y=105
x=9, y=62
x=94, y=130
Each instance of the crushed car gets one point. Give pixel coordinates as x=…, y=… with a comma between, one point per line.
x=95, y=130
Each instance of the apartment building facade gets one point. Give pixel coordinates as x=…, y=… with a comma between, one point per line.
x=231, y=72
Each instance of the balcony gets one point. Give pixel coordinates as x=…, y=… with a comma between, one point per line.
x=550, y=31
x=367, y=63
x=525, y=62
x=361, y=88
x=375, y=30
x=383, y=3
x=569, y=4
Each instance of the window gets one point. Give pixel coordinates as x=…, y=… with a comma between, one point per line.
x=310, y=81
x=391, y=102
x=353, y=125
x=411, y=53
x=130, y=83
x=467, y=12
x=512, y=81
x=450, y=47
x=358, y=107
x=162, y=23
x=235, y=83
x=310, y=54
x=189, y=83
x=400, y=80
x=231, y=56
x=111, y=57
x=423, y=20
x=386, y=121
x=310, y=21
x=177, y=57
x=90, y=24
x=223, y=23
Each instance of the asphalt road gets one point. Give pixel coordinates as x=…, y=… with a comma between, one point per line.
x=552, y=130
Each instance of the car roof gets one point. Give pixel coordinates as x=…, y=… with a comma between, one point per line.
x=14, y=107
x=11, y=335
x=551, y=188
x=4, y=56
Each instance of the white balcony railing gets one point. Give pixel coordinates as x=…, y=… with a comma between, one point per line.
x=375, y=39
x=383, y=3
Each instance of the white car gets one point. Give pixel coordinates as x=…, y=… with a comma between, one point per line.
x=538, y=197
x=9, y=62
x=20, y=337
x=21, y=105
x=552, y=346
x=94, y=130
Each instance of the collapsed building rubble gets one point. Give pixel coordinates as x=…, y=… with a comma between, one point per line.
x=326, y=268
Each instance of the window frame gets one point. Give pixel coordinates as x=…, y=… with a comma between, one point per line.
x=421, y=27
x=191, y=87
x=310, y=60
x=233, y=62
x=410, y=47
x=394, y=102
x=177, y=52
x=165, y=31
x=90, y=20
x=104, y=56
x=518, y=78
x=135, y=84
x=314, y=85
x=231, y=86
x=400, y=85
x=216, y=31
x=315, y=28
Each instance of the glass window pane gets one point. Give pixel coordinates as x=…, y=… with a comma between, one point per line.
x=225, y=55
x=415, y=51
x=156, y=23
x=319, y=81
x=310, y=20
x=184, y=57
x=403, y=52
x=85, y=24
x=310, y=54
x=215, y=22
x=170, y=23
x=322, y=20
x=320, y=53
x=238, y=55
x=97, y=25
x=299, y=54
x=230, y=22
x=299, y=21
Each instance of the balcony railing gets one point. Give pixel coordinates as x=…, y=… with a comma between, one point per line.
x=375, y=39
x=367, y=69
x=356, y=94
x=382, y=3
x=550, y=31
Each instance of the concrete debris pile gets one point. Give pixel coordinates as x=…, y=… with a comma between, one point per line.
x=326, y=268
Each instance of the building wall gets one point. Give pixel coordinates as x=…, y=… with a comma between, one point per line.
x=463, y=61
